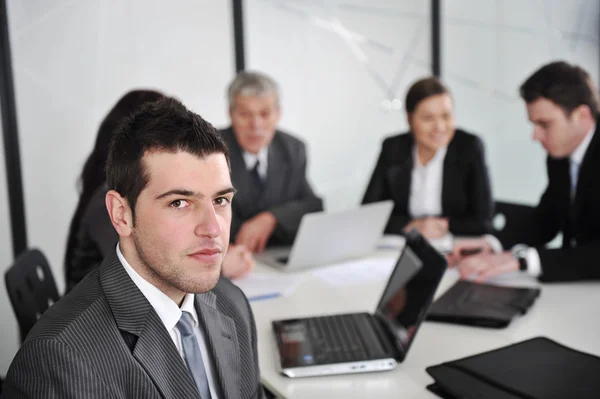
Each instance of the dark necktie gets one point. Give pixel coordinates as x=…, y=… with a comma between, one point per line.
x=193, y=356
x=257, y=180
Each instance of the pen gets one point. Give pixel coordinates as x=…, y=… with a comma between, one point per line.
x=265, y=296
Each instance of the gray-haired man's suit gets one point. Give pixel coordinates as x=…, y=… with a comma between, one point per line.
x=104, y=340
x=286, y=193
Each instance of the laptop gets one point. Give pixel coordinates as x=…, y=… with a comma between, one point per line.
x=331, y=237
x=482, y=305
x=364, y=342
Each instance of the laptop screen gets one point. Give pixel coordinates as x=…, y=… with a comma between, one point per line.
x=410, y=290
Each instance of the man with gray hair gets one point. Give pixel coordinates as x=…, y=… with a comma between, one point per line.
x=268, y=167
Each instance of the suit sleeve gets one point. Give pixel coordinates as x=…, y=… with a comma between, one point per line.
x=478, y=221
x=290, y=214
x=100, y=226
x=545, y=223
x=236, y=221
x=573, y=264
x=99, y=229
x=50, y=369
x=259, y=388
x=378, y=190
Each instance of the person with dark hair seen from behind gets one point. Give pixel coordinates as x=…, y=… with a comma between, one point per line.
x=562, y=103
x=91, y=234
x=436, y=174
x=268, y=167
x=156, y=319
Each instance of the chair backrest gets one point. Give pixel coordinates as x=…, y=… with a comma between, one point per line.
x=31, y=288
x=512, y=223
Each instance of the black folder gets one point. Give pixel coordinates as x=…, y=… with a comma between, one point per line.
x=538, y=368
x=482, y=304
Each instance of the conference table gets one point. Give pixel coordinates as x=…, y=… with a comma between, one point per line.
x=568, y=313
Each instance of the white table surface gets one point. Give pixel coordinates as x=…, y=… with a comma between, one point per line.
x=566, y=313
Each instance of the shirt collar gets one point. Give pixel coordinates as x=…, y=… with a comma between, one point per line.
x=579, y=153
x=250, y=159
x=437, y=158
x=167, y=310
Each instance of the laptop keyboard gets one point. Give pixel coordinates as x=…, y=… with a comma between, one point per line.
x=343, y=338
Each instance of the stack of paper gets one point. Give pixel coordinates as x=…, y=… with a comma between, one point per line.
x=259, y=285
x=357, y=272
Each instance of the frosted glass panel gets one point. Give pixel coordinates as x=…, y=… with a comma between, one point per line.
x=72, y=61
x=489, y=49
x=343, y=68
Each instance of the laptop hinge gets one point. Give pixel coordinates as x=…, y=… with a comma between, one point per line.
x=385, y=330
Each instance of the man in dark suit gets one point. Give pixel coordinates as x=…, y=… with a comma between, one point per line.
x=155, y=320
x=268, y=167
x=562, y=103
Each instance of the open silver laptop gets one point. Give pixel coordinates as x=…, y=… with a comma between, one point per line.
x=331, y=237
x=363, y=342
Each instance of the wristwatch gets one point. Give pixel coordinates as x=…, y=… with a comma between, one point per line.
x=520, y=251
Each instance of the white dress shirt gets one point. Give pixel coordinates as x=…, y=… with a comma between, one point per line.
x=262, y=157
x=532, y=257
x=426, y=185
x=169, y=314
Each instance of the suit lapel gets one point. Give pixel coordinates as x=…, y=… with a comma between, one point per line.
x=399, y=174
x=157, y=353
x=240, y=175
x=221, y=334
x=154, y=349
x=277, y=171
x=449, y=174
x=586, y=179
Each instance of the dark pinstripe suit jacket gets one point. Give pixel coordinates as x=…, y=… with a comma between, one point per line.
x=104, y=340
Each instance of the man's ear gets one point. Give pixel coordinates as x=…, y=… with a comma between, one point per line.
x=582, y=112
x=119, y=212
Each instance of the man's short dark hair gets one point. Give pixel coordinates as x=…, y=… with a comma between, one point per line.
x=165, y=125
x=566, y=85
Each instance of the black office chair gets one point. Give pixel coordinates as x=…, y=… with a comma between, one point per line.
x=31, y=288
x=512, y=223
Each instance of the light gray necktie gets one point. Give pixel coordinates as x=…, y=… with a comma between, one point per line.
x=574, y=169
x=192, y=354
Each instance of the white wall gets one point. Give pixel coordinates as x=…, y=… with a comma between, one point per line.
x=72, y=60
x=336, y=62
x=489, y=49
x=8, y=328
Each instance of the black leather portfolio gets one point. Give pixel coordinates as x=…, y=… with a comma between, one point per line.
x=538, y=368
x=482, y=304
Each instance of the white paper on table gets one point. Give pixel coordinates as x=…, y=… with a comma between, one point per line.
x=390, y=241
x=258, y=285
x=357, y=272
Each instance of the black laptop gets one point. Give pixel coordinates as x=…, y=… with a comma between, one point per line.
x=482, y=305
x=364, y=342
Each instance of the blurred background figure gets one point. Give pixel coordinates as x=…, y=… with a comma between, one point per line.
x=91, y=234
x=435, y=173
x=563, y=105
x=268, y=167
